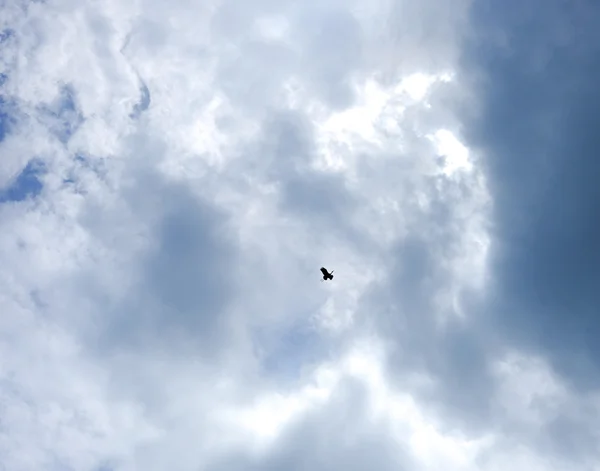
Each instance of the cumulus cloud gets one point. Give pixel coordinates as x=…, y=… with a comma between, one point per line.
x=175, y=173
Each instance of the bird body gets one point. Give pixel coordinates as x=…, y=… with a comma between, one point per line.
x=326, y=274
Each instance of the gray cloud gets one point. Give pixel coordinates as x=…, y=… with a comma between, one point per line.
x=426, y=336
x=533, y=67
x=184, y=279
x=188, y=278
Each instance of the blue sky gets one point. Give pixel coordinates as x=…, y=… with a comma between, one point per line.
x=175, y=173
x=27, y=184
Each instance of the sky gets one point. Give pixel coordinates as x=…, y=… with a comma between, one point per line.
x=173, y=174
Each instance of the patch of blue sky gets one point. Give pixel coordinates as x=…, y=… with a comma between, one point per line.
x=28, y=183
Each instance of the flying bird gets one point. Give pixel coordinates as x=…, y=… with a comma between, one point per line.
x=326, y=274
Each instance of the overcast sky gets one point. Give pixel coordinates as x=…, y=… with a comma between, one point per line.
x=173, y=174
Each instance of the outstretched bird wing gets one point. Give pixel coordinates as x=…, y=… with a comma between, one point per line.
x=324, y=271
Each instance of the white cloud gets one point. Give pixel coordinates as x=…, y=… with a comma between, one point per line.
x=162, y=295
x=455, y=153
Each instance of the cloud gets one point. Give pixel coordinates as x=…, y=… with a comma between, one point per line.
x=174, y=175
x=316, y=442
x=534, y=124
x=185, y=275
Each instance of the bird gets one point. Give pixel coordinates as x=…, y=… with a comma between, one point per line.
x=326, y=274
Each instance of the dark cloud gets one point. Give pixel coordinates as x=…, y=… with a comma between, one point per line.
x=452, y=352
x=189, y=269
x=181, y=283
x=568, y=436
x=532, y=73
x=534, y=68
